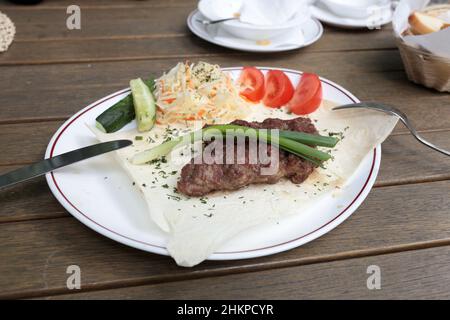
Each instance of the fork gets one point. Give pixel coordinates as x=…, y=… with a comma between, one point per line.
x=394, y=111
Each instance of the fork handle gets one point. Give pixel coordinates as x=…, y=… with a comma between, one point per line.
x=422, y=140
x=209, y=22
x=432, y=146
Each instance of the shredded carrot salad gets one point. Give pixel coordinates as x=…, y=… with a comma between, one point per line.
x=199, y=91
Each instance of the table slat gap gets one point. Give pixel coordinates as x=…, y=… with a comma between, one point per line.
x=49, y=216
x=124, y=37
x=411, y=181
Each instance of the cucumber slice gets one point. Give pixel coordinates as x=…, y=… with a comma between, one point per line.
x=116, y=116
x=144, y=105
x=120, y=114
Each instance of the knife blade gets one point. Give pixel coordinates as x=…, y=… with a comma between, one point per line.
x=62, y=160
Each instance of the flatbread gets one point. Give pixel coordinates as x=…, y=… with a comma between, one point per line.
x=196, y=227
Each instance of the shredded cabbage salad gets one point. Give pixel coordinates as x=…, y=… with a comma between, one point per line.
x=199, y=91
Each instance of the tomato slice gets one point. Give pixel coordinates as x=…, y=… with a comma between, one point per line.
x=279, y=89
x=307, y=96
x=252, y=83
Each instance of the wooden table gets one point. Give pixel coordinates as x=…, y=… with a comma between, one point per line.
x=50, y=72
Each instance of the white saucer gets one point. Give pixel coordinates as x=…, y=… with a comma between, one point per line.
x=312, y=31
x=320, y=12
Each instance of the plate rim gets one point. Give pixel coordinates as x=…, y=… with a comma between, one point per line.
x=338, y=22
x=194, y=30
x=230, y=255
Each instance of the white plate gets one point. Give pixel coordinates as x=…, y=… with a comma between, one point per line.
x=312, y=31
x=99, y=193
x=322, y=13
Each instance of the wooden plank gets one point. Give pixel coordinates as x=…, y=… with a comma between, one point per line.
x=428, y=110
x=88, y=82
x=404, y=160
x=35, y=254
x=104, y=49
x=152, y=23
x=421, y=274
x=70, y=87
x=107, y=50
x=61, y=4
x=53, y=104
x=115, y=22
x=26, y=143
x=28, y=201
x=335, y=66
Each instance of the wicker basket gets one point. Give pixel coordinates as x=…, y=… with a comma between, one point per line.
x=425, y=68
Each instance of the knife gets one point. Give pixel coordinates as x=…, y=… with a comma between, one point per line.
x=62, y=160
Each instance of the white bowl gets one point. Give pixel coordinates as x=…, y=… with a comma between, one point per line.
x=356, y=8
x=260, y=32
